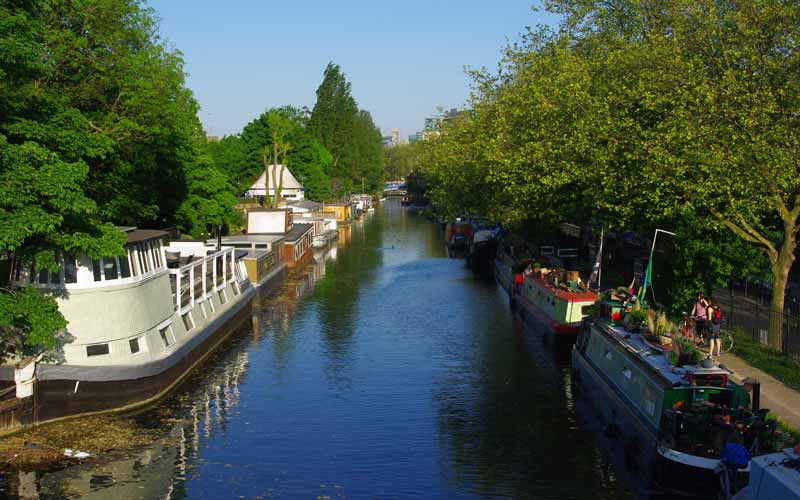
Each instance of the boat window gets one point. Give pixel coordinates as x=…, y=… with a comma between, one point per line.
x=96, y=270
x=222, y=298
x=154, y=255
x=166, y=336
x=588, y=309
x=134, y=345
x=70, y=269
x=110, y=268
x=142, y=258
x=235, y=288
x=97, y=349
x=124, y=267
x=188, y=321
x=135, y=271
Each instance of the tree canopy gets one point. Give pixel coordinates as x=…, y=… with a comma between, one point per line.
x=96, y=129
x=349, y=134
x=638, y=114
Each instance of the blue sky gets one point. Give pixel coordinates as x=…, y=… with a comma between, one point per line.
x=403, y=58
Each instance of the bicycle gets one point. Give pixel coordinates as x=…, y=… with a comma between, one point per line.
x=688, y=330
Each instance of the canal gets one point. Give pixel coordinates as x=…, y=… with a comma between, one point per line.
x=384, y=370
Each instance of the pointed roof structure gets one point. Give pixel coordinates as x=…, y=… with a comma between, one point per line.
x=289, y=180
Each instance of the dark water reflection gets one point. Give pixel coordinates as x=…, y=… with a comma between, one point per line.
x=384, y=371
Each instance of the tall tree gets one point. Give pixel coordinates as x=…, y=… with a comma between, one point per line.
x=348, y=133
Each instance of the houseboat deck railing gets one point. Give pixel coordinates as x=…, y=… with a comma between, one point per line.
x=195, y=281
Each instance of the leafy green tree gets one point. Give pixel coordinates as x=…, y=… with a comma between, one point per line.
x=241, y=156
x=348, y=133
x=46, y=145
x=208, y=209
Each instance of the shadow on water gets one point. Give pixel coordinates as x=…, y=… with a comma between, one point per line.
x=383, y=370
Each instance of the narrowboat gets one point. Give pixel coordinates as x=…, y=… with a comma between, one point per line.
x=457, y=234
x=137, y=323
x=674, y=424
x=553, y=301
x=482, y=249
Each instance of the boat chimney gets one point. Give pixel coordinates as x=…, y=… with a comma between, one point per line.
x=756, y=396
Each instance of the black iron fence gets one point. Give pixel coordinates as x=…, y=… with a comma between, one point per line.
x=747, y=306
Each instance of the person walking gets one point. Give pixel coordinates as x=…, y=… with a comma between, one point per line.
x=700, y=316
x=715, y=322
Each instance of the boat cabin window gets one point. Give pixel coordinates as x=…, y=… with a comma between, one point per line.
x=188, y=321
x=96, y=270
x=110, y=268
x=222, y=297
x=134, y=345
x=97, y=349
x=124, y=267
x=70, y=269
x=166, y=335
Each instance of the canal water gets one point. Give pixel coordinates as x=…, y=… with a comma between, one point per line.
x=382, y=371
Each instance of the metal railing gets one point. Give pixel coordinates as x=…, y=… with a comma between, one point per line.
x=194, y=282
x=749, y=309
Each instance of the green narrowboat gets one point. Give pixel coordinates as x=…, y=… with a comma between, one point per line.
x=673, y=422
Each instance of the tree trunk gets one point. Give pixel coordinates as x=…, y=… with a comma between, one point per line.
x=280, y=177
x=780, y=276
x=266, y=178
x=274, y=201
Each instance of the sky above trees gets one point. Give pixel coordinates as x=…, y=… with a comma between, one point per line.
x=403, y=58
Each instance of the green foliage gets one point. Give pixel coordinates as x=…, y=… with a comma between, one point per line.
x=241, y=156
x=400, y=161
x=96, y=129
x=209, y=206
x=784, y=367
x=27, y=321
x=641, y=114
x=349, y=134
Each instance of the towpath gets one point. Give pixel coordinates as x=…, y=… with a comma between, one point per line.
x=775, y=395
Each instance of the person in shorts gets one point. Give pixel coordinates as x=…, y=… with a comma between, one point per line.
x=714, y=321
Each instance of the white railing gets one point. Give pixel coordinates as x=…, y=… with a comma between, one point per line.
x=194, y=282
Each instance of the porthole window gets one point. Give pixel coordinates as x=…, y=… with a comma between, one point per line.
x=222, y=298
x=97, y=349
x=134, y=345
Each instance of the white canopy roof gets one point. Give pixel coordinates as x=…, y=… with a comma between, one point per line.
x=289, y=181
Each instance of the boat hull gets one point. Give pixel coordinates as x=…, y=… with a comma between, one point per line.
x=543, y=324
x=481, y=257
x=65, y=391
x=637, y=443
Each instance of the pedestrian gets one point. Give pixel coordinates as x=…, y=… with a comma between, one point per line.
x=715, y=321
x=700, y=316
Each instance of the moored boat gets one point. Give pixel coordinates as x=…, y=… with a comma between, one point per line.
x=137, y=324
x=482, y=249
x=773, y=476
x=673, y=423
x=553, y=301
x=457, y=234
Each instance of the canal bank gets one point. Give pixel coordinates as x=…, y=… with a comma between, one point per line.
x=386, y=371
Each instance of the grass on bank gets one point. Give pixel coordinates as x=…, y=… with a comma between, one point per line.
x=784, y=367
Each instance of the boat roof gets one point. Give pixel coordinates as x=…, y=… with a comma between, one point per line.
x=654, y=359
x=262, y=238
x=139, y=235
x=569, y=295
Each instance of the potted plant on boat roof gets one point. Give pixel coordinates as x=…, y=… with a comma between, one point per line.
x=635, y=318
x=684, y=353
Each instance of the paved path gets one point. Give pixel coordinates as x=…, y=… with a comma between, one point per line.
x=778, y=397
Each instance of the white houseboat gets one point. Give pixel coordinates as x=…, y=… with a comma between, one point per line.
x=137, y=324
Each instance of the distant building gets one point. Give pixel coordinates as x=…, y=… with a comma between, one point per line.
x=212, y=138
x=433, y=123
x=291, y=189
x=414, y=138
